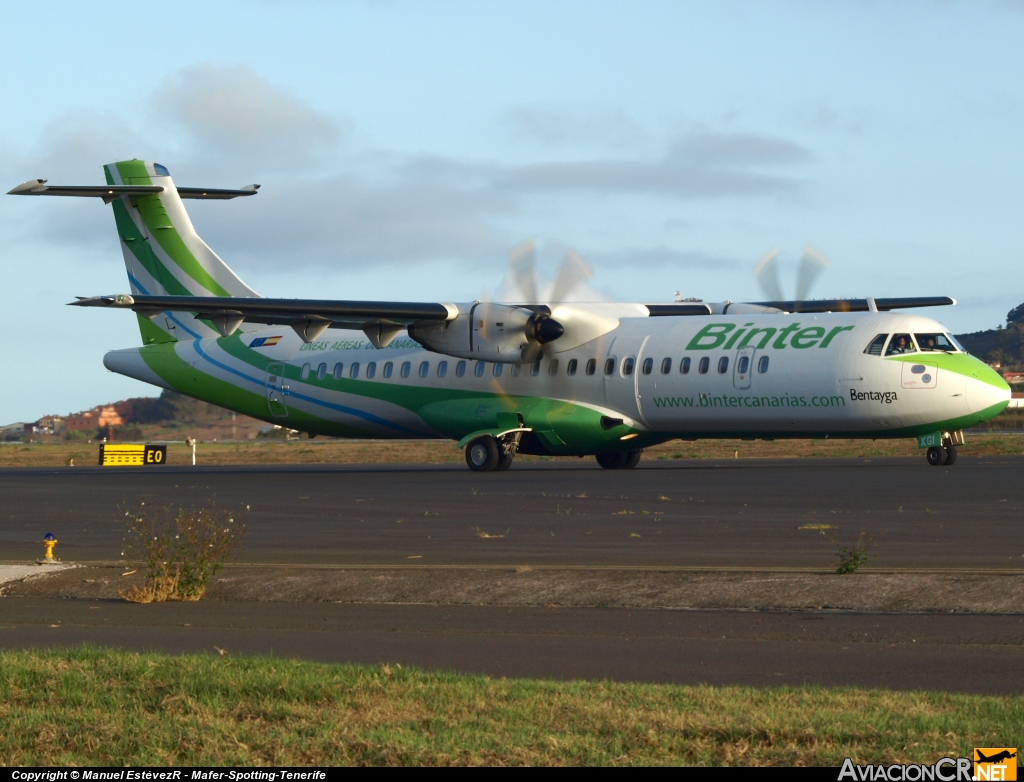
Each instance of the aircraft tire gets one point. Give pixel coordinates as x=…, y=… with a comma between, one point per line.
x=632, y=459
x=950, y=455
x=936, y=456
x=612, y=461
x=504, y=461
x=483, y=454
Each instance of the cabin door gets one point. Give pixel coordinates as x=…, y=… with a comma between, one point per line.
x=277, y=390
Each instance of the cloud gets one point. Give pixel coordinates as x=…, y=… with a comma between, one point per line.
x=557, y=128
x=231, y=111
x=661, y=257
x=326, y=205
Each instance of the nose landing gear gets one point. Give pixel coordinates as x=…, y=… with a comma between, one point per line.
x=945, y=454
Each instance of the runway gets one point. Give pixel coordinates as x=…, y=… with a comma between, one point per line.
x=732, y=513
x=956, y=653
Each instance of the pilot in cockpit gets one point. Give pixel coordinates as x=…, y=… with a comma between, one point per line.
x=901, y=343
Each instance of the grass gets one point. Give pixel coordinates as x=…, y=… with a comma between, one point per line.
x=328, y=451
x=93, y=706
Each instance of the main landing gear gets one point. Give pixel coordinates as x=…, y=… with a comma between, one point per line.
x=488, y=454
x=620, y=461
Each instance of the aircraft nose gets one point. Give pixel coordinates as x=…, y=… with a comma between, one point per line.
x=987, y=393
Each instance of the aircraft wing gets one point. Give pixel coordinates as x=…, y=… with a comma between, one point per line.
x=857, y=305
x=380, y=320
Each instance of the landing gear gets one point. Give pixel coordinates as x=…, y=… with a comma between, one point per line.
x=945, y=454
x=937, y=456
x=483, y=454
x=620, y=461
x=487, y=454
x=950, y=455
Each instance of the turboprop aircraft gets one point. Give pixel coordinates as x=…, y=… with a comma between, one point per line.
x=569, y=379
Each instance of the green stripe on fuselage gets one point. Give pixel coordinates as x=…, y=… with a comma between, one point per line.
x=161, y=229
x=960, y=363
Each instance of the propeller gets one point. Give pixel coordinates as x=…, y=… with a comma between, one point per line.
x=541, y=327
x=812, y=263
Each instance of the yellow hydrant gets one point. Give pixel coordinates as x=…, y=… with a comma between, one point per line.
x=49, y=541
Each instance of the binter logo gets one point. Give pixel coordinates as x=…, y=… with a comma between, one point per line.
x=995, y=763
x=726, y=336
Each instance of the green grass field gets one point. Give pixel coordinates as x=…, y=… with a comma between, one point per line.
x=93, y=706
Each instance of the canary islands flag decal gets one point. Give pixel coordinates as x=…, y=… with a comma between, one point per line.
x=264, y=342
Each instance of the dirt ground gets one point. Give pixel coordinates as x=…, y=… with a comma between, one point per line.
x=558, y=586
x=329, y=451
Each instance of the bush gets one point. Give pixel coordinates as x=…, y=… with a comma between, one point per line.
x=182, y=548
x=854, y=555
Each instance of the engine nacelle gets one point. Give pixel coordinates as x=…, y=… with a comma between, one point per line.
x=490, y=332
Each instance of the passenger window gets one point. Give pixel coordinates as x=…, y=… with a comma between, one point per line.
x=684, y=366
x=515, y=370
x=702, y=367
x=424, y=368
x=497, y=369
x=592, y=366
x=875, y=348
x=460, y=369
x=321, y=372
x=371, y=369
x=406, y=367
x=553, y=367
x=478, y=370
x=743, y=365
x=339, y=368
x=442, y=369
x=609, y=366
x=535, y=368
x=666, y=366
x=353, y=370
x=900, y=344
x=627, y=365
x=648, y=365
x=762, y=364
x=723, y=365
x=934, y=343
x=305, y=372
x=388, y=367
x=570, y=368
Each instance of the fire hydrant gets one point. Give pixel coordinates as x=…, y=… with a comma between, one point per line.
x=49, y=541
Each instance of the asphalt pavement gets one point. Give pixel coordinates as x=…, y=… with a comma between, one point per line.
x=956, y=653
x=791, y=513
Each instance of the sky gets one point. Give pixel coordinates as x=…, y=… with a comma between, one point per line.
x=403, y=149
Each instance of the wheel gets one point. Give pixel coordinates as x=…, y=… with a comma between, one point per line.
x=950, y=455
x=612, y=461
x=483, y=454
x=632, y=459
x=936, y=456
x=504, y=460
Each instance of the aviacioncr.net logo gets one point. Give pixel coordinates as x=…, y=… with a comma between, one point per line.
x=944, y=770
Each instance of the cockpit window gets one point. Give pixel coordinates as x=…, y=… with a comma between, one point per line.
x=900, y=344
x=935, y=342
x=875, y=348
x=956, y=342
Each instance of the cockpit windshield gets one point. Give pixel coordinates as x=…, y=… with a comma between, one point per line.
x=935, y=343
x=899, y=344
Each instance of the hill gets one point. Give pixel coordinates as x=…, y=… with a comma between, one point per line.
x=1003, y=345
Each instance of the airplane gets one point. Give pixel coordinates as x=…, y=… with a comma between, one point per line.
x=1003, y=755
x=605, y=379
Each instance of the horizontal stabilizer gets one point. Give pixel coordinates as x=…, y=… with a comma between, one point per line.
x=109, y=192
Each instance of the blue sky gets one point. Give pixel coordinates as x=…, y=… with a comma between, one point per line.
x=404, y=148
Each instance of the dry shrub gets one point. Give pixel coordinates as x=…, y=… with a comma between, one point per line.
x=181, y=548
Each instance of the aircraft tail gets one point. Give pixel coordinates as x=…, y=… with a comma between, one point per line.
x=162, y=251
